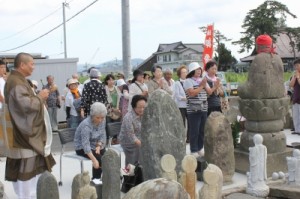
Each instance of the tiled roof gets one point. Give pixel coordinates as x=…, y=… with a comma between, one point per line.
x=179, y=47
x=282, y=48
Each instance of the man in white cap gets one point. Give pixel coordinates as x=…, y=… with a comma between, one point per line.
x=73, y=100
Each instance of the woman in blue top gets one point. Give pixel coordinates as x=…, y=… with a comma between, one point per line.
x=196, y=89
x=90, y=137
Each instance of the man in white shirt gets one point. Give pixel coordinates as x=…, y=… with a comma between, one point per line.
x=2, y=81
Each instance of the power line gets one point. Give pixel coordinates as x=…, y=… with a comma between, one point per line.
x=56, y=27
x=34, y=24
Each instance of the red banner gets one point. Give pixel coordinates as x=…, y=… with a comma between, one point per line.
x=208, y=45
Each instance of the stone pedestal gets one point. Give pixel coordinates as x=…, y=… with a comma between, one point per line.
x=275, y=161
x=275, y=142
x=284, y=191
x=264, y=117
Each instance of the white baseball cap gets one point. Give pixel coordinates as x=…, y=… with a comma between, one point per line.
x=193, y=66
x=120, y=82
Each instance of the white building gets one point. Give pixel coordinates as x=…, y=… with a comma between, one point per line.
x=60, y=69
x=173, y=55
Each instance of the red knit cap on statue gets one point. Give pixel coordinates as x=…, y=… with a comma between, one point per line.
x=264, y=44
x=265, y=40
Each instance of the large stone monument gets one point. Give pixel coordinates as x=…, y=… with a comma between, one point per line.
x=162, y=133
x=111, y=164
x=213, y=182
x=47, y=187
x=257, y=176
x=218, y=144
x=157, y=188
x=264, y=105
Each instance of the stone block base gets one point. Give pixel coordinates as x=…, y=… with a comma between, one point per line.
x=275, y=161
x=285, y=191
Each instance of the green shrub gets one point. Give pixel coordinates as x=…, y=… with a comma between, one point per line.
x=236, y=129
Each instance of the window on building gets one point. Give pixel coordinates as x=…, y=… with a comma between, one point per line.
x=165, y=58
x=169, y=57
x=157, y=58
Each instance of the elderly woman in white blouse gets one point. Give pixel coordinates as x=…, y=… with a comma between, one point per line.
x=180, y=96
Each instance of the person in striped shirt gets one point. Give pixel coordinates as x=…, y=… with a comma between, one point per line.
x=197, y=89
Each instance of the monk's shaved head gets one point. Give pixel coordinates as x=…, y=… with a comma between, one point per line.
x=22, y=57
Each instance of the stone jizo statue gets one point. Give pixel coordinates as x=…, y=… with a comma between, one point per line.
x=168, y=165
x=86, y=191
x=188, y=177
x=258, y=173
x=293, y=167
x=213, y=182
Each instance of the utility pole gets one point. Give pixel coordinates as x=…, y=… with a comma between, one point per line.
x=64, y=4
x=126, y=38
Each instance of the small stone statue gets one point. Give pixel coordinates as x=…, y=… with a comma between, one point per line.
x=86, y=191
x=213, y=182
x=258, y=173
x=168, y=164
x=76, y=185
x=293, y=167
x=188, y=177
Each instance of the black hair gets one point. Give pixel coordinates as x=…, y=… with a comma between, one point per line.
x=136, y=73
x=21, y=57
x=136, y=99
x=191, y=74
x=2, y=62
x=153, y=69
x=210, y=64
x=146, y=74
x=297, y=61
x=108, y=77
x=125, y=87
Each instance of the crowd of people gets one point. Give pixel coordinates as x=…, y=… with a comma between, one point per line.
x=196, y=93
x=90, y=105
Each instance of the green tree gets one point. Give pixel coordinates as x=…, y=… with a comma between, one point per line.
x=268, y=18
x=224, y=58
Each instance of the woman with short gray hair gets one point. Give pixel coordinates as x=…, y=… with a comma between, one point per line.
x=90, y=137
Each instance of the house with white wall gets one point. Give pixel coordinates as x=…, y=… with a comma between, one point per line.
x=60, y=69
x=173, y=55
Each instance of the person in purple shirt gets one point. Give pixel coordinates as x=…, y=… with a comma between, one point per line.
x=295, y=84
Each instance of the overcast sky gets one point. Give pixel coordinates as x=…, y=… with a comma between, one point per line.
x=97, y=31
